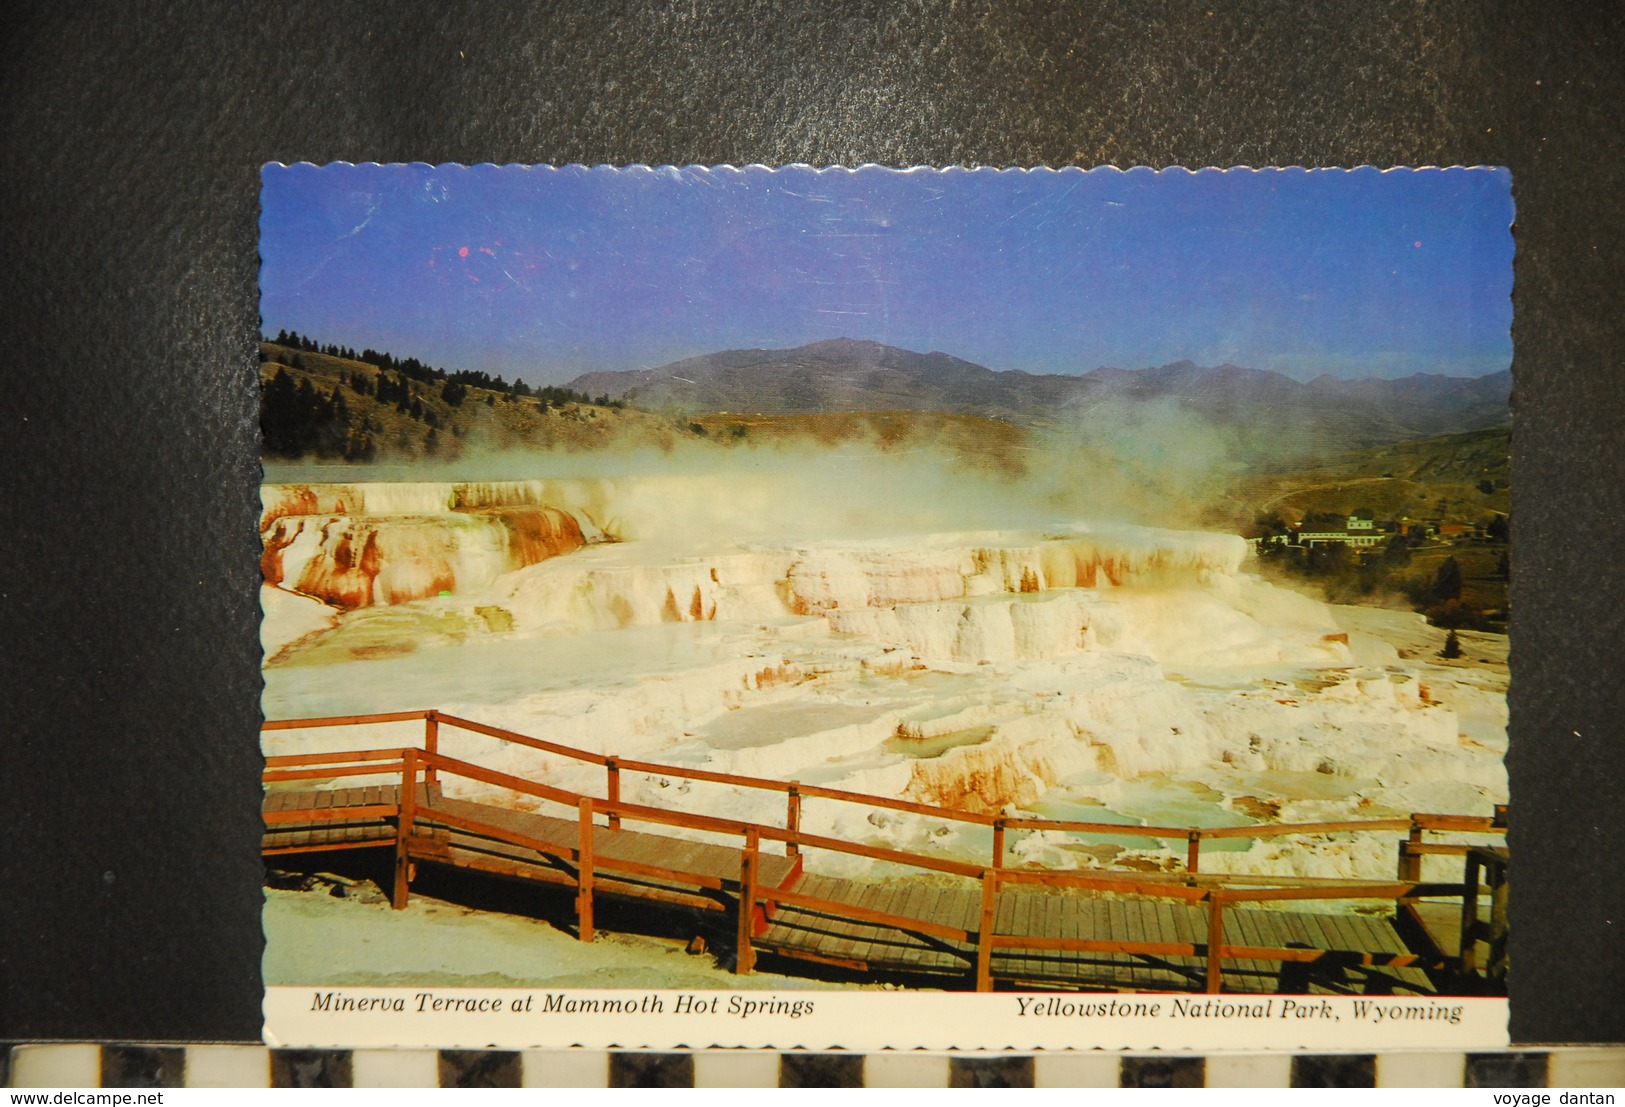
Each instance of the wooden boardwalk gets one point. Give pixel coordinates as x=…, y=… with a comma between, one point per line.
x=956, y=924
x=634, y=865
x=621, y=853
x=828, y=938
x=361, y=817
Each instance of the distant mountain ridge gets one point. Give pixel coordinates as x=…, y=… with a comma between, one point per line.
x=839, y=374
x=842, y=375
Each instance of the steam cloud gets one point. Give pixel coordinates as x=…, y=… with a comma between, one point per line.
x=1151, y=463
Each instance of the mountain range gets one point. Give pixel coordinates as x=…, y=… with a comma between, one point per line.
x=843, y=375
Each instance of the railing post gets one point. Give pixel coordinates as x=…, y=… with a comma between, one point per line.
x=1410, y=860
x=745, y=955
x=1193, y=850
x=613, y=765
x=1215, y=941
x=406, y=814
x=984, y=930
x=1469, y=916
x=998, y=843
x=431, y=743
x=584, y=872
x=1495, y=965
x=792, y=818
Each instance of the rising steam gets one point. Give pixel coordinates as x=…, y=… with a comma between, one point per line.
x=1148, y=463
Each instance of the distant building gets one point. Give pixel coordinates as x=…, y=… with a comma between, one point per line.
x=1350, y=537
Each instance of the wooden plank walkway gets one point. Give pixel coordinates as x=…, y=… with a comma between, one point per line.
x=364, y=817
x=616, y=853
x=635, y=865
x=800, y=932
x=616, y=856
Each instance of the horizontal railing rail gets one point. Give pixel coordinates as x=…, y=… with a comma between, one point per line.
x=335, y=758
x=319, y=772
x=1410, y=852
x=344, y=720
x=333, y=814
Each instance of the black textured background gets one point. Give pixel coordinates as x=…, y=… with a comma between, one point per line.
x=129, y=881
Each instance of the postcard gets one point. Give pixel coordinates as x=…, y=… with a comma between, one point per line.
x=875, y=608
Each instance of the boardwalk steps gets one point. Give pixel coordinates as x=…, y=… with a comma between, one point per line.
x=955, y=925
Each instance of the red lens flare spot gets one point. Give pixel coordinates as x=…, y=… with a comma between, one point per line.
x=463, y=251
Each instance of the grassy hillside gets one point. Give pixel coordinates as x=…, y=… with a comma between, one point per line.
x=1453, y=478
x=1448, y=482
x=435, y=428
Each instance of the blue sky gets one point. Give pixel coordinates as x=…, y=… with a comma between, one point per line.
x=547, y=273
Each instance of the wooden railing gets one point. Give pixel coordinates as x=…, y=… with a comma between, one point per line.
x=1215, y=892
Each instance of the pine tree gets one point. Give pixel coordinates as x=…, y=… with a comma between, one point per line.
x=279, y=415
x=1452, y=646
x=1447, y=581
x=309, y=416
x=333, y=426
